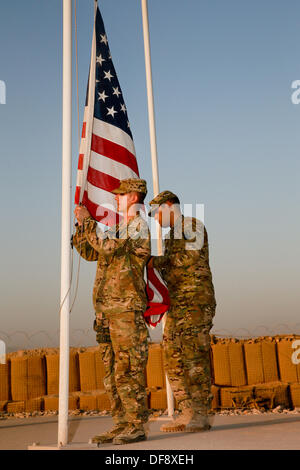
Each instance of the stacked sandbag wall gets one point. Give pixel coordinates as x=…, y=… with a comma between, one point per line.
x=256, y=372
x=28, y=383
x=228, y=370
x=289, y=372
x=91, y=369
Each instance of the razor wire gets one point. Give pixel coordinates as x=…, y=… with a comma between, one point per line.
x=41, y=339
x=79, y=337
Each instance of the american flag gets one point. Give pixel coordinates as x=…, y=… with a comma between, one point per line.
x=107, y=154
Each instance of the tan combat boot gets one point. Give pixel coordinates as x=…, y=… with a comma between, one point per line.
x=188, y=421
x=199, y=423
x=109, y=436
x=178, y=424
x=132, y=433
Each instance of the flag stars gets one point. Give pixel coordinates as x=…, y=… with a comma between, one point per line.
x=100, y=59
x=109, y=99
x=116, y=91
x=108, y=75
x=102, y=96
x=104, y=39
x=111, y=111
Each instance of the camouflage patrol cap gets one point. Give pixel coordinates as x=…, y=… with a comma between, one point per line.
x=131, y=184
x=161, y=198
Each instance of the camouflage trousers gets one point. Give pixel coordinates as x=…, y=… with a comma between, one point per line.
x=123, y=342
x=186, y=349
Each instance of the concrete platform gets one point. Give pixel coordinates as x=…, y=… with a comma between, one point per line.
x=272, y=431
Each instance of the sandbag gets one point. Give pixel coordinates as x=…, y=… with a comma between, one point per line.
x=261, y=361
x=28, y=406
x=16, y=406
x=3, y=405
x=52, y=362
x=95, y=402
x=158, y=399
x=229, y=363
x=34, y=404
x=276, y=393
x=19, y=378
x=288, y=371
x=103, y=402
x=36, y=377
x=27, y=377
x=221, y=364
x=295, y=395
x=237, y=397
x=155, y=374
x=4, y=381
x=91, y=370
x=88, y=402
x=51, y=403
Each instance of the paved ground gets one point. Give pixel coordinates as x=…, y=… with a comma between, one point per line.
x=264, y=431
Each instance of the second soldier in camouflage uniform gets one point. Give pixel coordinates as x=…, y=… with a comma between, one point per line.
x=186, y=340
x=119, y=299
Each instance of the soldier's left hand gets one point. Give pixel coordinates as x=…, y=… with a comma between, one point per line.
x=81, y=213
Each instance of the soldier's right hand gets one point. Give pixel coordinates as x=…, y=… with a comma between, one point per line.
x=81, y=213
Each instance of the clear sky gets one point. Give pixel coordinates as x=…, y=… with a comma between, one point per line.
x=228, y=137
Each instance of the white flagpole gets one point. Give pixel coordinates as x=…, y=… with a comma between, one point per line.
x=65, y=225
x=153, y=146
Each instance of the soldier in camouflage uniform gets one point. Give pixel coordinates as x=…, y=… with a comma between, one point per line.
x=186, y=340
x=119, y=299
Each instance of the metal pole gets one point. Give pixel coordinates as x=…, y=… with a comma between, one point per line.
x=65, y=225
x=150, y=98
x=153, y=147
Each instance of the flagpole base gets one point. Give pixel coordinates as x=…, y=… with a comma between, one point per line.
x=162, y=418
x=75, y=446
x=39, y=447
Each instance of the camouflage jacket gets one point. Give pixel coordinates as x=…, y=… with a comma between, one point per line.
x=185, y=263
x=121, y=254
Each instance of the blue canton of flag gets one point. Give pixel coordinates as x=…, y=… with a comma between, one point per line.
x=109, y=102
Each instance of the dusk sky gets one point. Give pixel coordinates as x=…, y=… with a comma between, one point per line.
x=228, y=137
